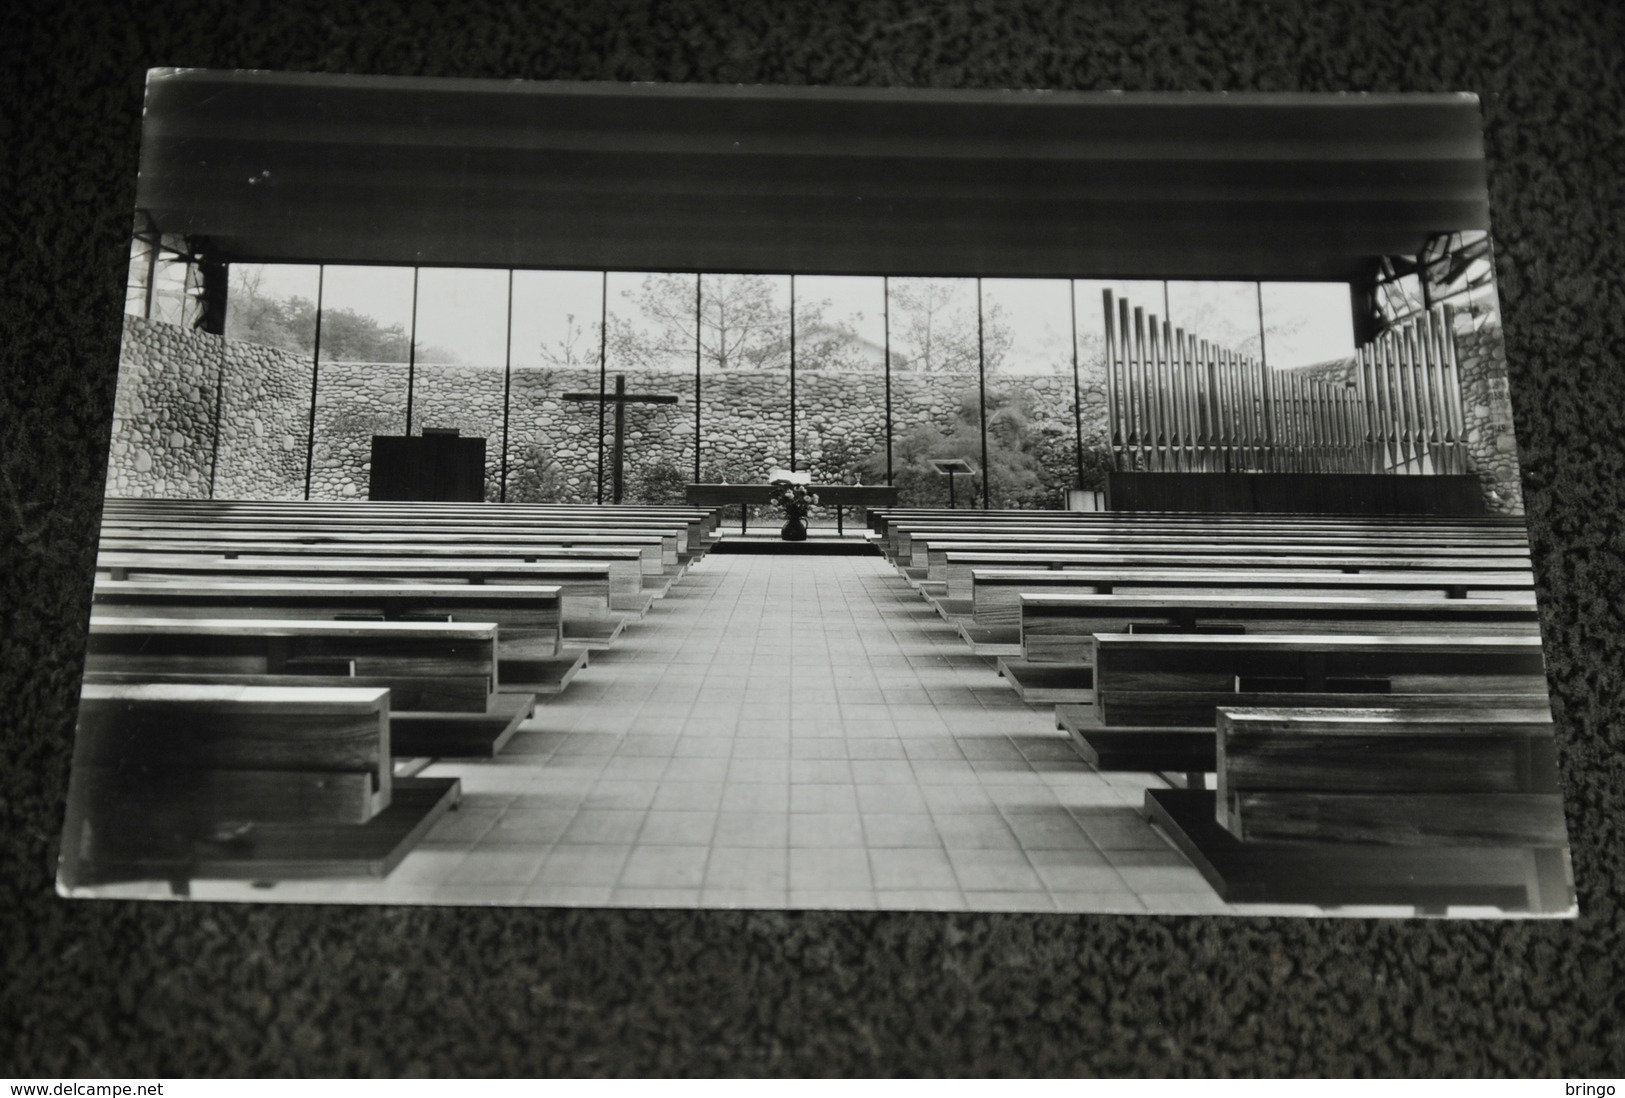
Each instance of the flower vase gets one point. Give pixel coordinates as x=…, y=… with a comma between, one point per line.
x=795, y=527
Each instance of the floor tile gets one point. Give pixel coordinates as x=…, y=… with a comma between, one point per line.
x=913, y=868
x=793, y=731
x=665, y=867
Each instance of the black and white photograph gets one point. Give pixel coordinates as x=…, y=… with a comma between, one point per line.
x=612, y=495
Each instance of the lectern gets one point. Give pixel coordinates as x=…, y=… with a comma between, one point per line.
x=442, y=467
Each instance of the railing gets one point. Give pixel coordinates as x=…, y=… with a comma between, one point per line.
x=1178, y=403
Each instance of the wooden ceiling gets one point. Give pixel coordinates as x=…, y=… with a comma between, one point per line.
x=304, y=168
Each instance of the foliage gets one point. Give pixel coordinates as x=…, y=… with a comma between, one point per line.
x=290, y=325
x=536, y=479
x=568, y=352
x=661, y=482
x=1096, y=464
x=793, y=499
x=934, y=327
x=1027, y=466
x=742, y=325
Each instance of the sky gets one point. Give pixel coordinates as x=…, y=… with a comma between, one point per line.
x=464, y=310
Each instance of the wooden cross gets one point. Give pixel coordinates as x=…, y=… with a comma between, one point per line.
x=621, y=399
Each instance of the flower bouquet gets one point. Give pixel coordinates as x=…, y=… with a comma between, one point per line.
x=794, y=500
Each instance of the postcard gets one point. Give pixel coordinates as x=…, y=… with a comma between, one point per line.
x=744, y=497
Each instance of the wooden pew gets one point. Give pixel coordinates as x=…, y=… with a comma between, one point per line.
x=443, y=678
x=951, y=569
x=672, y=556
x=631, y=568
x=996, y=593
x=704, y=520
x=1061, y=628
x=584, y=588
x=692, y=527
x=531, y=656
x=1433, y=807
x=912, y=546
x=1057, y=631
x=1173, y=685
x=880, y=519
x=181, y=782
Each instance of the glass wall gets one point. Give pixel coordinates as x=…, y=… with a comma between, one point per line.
x=1223, y=313
x=650, y=359
x=871, y=376
x=1308, y=325
x=936, y=389
x=553, y=444
x=840, y=381
x=459, y=358
x=1029, y=399
x=744, y=358
x=363, y=355
x=163, y=282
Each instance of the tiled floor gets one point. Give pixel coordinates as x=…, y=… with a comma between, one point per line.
x=797, y=732
x=787, y=732
x=801, y=732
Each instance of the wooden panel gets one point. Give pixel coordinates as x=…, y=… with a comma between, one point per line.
x=427, y=467
x=269, y=852
x=1413, y=819
x=1310, y=493
x=455, y=664
x=1514, y=879
x=184, y=727
x=528, y=617
x=155, y=795
x=831, y=495
x=1060, y=628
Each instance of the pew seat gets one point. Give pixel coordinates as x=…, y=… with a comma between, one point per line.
x=443, y=678
x=178, y=782
x=531, y=655
x=1441, y=807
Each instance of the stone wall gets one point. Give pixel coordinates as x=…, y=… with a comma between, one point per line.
x=170, y=381
x=163, y=412
x=264, y=423
x=1486, y=400
x=166, y=408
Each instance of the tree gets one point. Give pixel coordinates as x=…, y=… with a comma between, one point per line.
x=568, y=353
x=289, y=324
x=742, y=325
x=938, y=326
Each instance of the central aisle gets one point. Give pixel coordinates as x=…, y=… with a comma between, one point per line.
x=795, y=732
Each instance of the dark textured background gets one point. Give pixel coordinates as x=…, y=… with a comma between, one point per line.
x=144, y=989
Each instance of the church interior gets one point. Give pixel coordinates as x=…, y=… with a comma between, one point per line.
x=748, y=497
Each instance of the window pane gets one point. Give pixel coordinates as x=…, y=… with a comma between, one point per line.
x=745, y=379
x=1307, y=324
x=1027, y=350
x=461, y=348
x=936, y=402
x=171, y=281
x=651, y=346
x=841, y=381
x=366, y=324
x=1223, y=313
x=265, y=393
x=553, y=443
x=135, y=284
